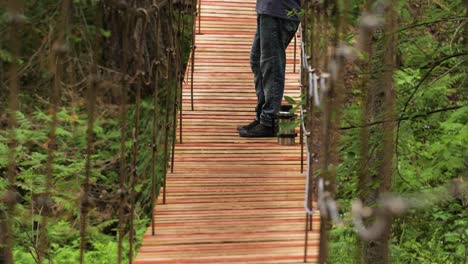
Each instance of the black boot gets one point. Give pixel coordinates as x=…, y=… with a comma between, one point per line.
x=249, y=126
x=259, y=130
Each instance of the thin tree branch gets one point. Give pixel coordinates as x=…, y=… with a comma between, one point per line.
x=428, y=73
x=432, y=22
x=405, y=117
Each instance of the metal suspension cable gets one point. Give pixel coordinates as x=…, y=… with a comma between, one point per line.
x=177, y=83
x=305, y=132
x=311, y=21
x=144, y=18
x=192, y=64
x=134, y=172
x=167, y=125
x=307, y=21
x=135, y=134
x=199, y=16
x=155, y=134
x=182, y=73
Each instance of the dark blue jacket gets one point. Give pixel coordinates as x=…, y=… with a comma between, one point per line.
x=278, y=8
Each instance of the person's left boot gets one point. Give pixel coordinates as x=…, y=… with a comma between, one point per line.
x=259, y=130
x=249, y=126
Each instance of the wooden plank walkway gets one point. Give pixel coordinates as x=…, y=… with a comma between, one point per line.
x=230, y=199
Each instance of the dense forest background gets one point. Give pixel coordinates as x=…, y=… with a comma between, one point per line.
x=431, y=136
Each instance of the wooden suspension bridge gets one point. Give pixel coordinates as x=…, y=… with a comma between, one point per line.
x=226, y=199
x=229, y=199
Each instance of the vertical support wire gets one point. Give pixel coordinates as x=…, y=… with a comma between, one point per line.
x=309, y=37
x=313, y=47
x=192, y=64
x=91, y=99
x=199, y=16
x=177, y=83
x=58, y=52
x=174, y=113
x=123, y=137
x=301, y=139
x=295, y=52
x=135, y=135
x=154, y=180
x=303, y=80
x=11, y=197
x=182, y=56
x=169, y=72
x=166, y=121
x=85, y=199
x=134, y=172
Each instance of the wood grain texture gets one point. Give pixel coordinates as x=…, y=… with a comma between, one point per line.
x=230, y=199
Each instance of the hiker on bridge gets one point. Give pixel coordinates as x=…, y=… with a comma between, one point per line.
x=275, y=30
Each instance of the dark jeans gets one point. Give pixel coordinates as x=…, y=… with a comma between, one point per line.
x=268, y=62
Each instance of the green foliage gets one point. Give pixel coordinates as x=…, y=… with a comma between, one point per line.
x=432, y=138
x=69, y=162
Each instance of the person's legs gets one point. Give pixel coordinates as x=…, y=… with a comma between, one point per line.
x=275, y=36
x=255, y=67
x=268, y=63
x=255, y=53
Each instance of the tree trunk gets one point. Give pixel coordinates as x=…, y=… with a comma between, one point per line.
x=3, y=232
x=381, y=96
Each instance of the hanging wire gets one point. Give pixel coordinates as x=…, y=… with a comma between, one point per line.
x=134, y=172
x=308, y=20
x=182, y=74
x=91, y=99
x=143, y=18
x=85, y=198
x=193, y=47
x=59, y=49
x=199, y=15
x=177, y=83
x=155, y=134
x=167, y=124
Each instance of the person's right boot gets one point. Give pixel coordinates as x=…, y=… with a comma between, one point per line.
x=259, y=130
